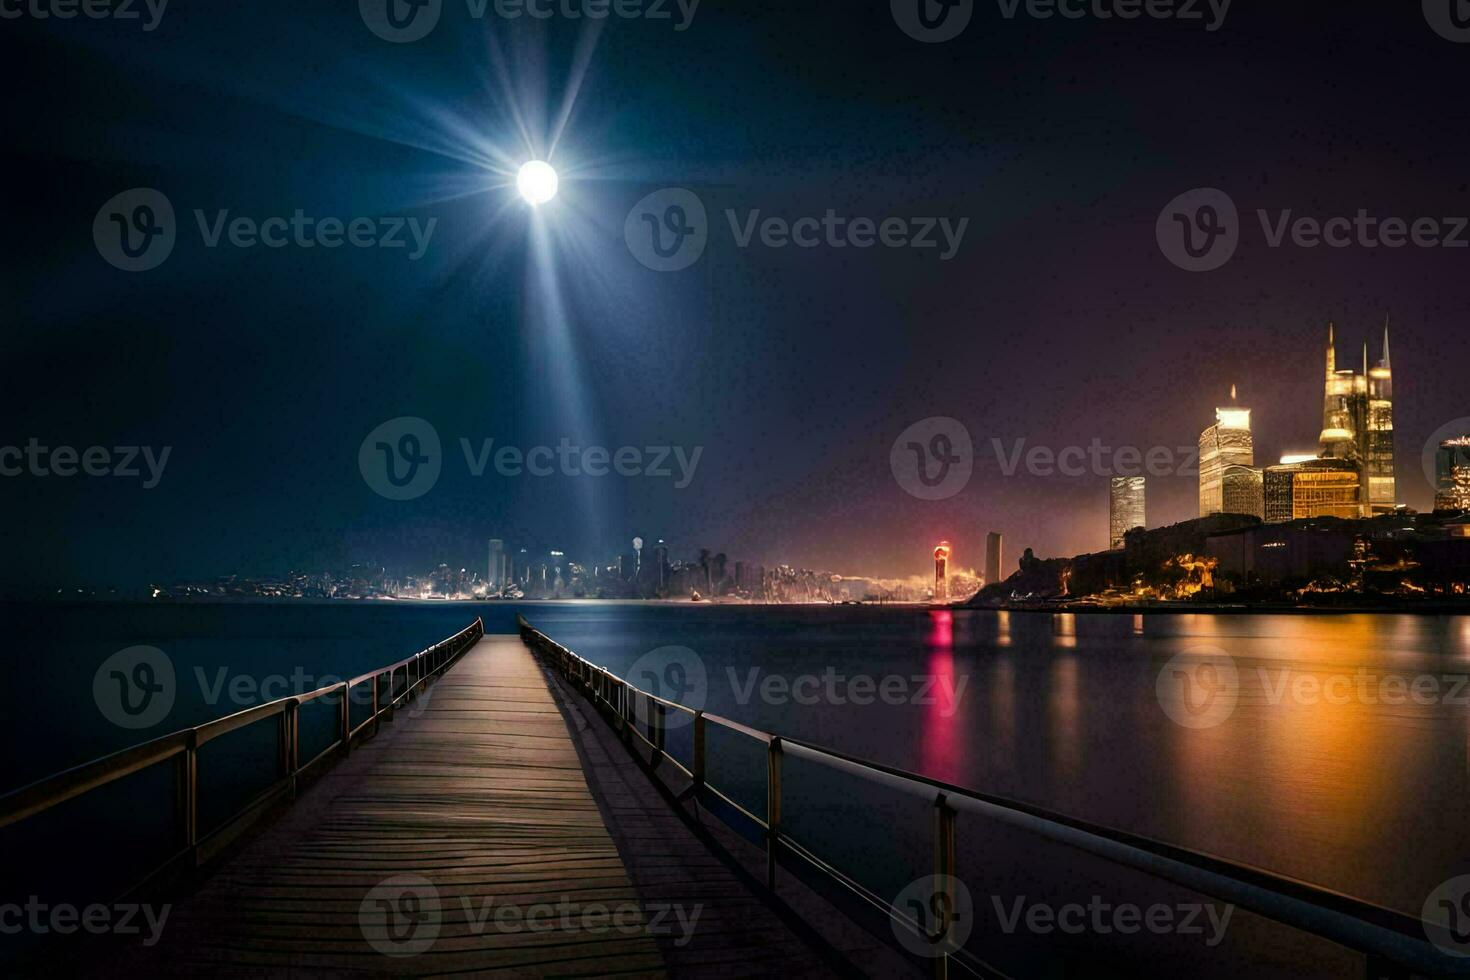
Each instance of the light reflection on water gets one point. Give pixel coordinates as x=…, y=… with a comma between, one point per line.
x=1367, y=797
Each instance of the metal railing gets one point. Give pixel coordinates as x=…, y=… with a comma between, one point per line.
x=1394, y=943
x=182, y=748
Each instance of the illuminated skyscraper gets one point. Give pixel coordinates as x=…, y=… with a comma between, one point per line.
x=1125, y=508
x=495, y=572
x=1242, y=491
x=1357, y=424
x=1226, y=443
x=1452, y=474
x=941, y=572
x=1311, y=488
x=994, y=558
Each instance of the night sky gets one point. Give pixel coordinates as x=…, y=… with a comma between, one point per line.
x=1058, y=320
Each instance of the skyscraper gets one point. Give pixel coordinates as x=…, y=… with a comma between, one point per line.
x=1125, y=508
x=1226, y=443
x=1311, y=488
x=1357, y=424
x=1242, y=490
x=1452, y=474
x=994, y=558
x=495, y=571
x=941, y=572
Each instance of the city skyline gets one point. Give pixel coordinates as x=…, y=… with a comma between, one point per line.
x=1058, y=321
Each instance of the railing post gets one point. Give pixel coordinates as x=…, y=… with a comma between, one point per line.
x=773, y=808
x=655, y=732
x=625, y=713
x=346, y=716
x=188, y=795
x=375, y=704
x=698, y=754
x=291, y=717
x=943, y=902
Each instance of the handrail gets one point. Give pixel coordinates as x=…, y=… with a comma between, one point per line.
x=418, y=669
x=1370, y=929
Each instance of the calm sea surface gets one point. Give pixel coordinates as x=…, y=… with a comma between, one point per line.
x=1338, y=755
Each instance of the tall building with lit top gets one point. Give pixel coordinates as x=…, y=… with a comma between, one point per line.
x=1357, y=425
x=1226, y=443
x=1125, y=508
x=941, y=572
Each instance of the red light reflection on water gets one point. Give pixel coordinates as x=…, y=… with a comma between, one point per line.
x=940, y=738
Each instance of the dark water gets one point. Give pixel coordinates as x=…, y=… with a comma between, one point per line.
x=1343, y=761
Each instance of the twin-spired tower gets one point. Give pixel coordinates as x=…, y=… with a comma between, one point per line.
x=1357, y=424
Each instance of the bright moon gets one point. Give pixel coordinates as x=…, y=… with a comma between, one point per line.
x=537, y=182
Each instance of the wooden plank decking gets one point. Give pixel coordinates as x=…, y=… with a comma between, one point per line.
x=469, y=814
